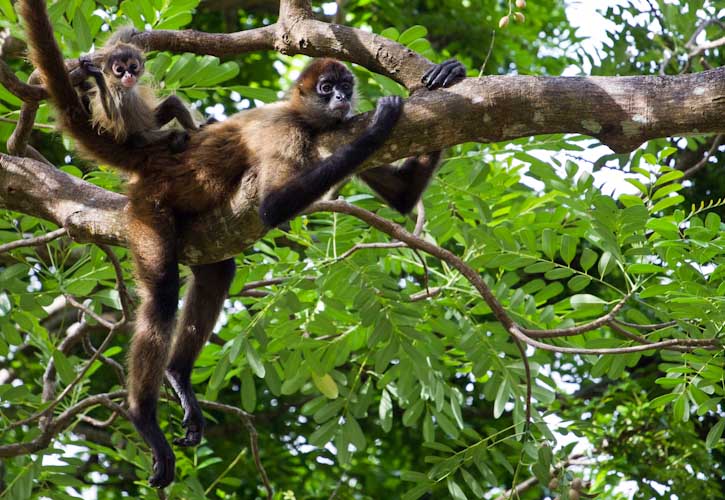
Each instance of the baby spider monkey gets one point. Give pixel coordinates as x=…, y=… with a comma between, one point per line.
x=126, y=109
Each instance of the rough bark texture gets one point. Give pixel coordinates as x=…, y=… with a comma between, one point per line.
x=622, y=112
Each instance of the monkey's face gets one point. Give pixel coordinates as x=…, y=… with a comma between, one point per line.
x=125, y=68
x=334, y=92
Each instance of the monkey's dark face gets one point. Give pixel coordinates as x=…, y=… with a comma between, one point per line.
x=125, y=67
x=335, y=90
x=324, y=93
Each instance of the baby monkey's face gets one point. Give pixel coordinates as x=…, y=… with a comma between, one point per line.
x=125, y=66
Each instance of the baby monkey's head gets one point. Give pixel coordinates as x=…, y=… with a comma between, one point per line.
x=124, y=66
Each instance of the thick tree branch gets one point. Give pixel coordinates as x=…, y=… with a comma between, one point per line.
x=623, y=112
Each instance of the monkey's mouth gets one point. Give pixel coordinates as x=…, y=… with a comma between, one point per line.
x=128, y=80
x=340, y=107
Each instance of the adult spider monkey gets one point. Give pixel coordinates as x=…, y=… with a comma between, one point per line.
x=124, y=108
x=271, y=146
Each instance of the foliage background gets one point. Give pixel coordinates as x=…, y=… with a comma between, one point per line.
x=358, y=389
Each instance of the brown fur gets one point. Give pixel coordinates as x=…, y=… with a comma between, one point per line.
x=274, y=144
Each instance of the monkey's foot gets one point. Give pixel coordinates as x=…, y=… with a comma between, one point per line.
x=163, y=468
x=194, y=425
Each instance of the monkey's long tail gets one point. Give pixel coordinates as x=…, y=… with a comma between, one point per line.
x=72, y=116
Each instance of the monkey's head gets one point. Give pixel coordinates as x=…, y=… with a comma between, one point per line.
x=124, y=66
x=324, y=92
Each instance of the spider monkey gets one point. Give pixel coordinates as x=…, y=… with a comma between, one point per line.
x=271, y=146
x=122, y=107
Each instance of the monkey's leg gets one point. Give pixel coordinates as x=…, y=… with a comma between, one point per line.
x=153, y=243
x=202, y=304
x=172, y=107
x=403, y=186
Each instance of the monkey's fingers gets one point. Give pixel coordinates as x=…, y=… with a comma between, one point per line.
x=435, y=72
x=448, y=69
x=457, y=74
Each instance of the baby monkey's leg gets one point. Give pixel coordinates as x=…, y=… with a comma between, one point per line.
x=172, y=107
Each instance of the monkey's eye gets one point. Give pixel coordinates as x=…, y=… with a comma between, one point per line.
x=346, y=87
x=325, y=88
x=133, y=68
x=119, y=70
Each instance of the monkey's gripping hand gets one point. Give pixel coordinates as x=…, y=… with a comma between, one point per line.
x=86, y=64
x=444, y=74
x=387, y=113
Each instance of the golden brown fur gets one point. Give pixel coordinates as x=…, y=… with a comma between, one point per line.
x=133, y=112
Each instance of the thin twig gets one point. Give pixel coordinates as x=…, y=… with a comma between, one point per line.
x=61, y=423
x=31, y=242
x=647, y=328
x=577, y=330
x=36, y=125
x=247, y=420
x=100, y=320
x=120, y=283
x=700, y=164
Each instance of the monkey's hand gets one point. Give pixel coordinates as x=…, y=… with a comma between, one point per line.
x=444, y=74
x=86, y=64
x=386, y=114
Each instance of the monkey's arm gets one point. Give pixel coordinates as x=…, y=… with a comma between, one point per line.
x=401, y=187
x=91, y=70
x=310, y=184
x=172, y=107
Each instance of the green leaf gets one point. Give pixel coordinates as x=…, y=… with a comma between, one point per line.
x=63, y=367
x=412, y=33
x=681, y=408
x=547, y=243
x=473, y=484
x=390, y=33
x=220, y=371
x=249, y=394
x=385, y=411
x=354, y=433
x=579, y=283
x=715, y=434
x=584, y=300
x=455, y=490
x=8, y=12
x=645, y=269
x=669, y=176
x=568, y=248
x=82, y=32
x=326, y=385
x=663, y=400
x=502, y=397
x=606, y=264
x=660, y=193
x=667, y=202
x=255, y=363
x=324, y=434
x=588, y=259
